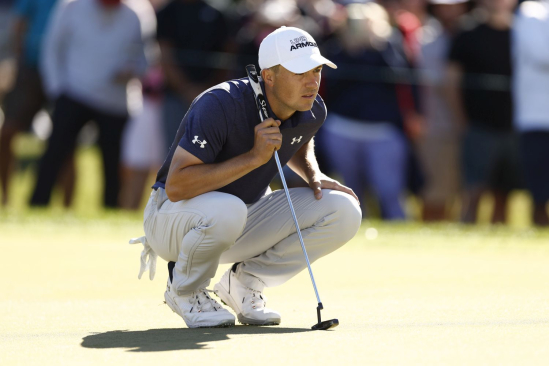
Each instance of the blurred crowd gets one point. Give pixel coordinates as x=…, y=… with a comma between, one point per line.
x=445, y=100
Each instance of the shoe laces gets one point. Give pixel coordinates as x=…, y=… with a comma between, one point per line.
x=257, y=299
x=202, y=302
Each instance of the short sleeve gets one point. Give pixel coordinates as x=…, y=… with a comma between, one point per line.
x=206, y=128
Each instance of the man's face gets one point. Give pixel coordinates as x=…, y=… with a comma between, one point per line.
x=294, y=92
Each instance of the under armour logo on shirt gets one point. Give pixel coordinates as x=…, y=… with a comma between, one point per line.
x=296, y=140
x=202, y=143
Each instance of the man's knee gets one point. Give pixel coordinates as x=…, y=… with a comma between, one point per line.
x=227, y=222
x=348, y=215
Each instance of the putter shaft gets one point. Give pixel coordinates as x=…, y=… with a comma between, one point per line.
x=261, y=104
x=298, y=230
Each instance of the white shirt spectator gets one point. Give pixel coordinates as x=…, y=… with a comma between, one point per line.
x=89, y=44
x=531, y=65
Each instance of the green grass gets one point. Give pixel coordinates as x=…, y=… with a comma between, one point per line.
x=405, y=293
x=414, y=295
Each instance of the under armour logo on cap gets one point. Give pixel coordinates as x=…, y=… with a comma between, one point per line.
x=202, y=143
x=300, y=42
x=293, y=48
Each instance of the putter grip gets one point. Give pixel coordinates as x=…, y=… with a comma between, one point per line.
x=260, y=101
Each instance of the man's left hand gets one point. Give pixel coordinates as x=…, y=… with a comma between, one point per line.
x=325, y=182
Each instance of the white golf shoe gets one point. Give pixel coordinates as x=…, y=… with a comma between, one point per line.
x=198, y=309
x=247, y=303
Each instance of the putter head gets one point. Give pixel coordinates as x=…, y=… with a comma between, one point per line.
x=325, y=325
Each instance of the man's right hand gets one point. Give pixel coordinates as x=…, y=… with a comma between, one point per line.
x=268, y=139
x=189, y=177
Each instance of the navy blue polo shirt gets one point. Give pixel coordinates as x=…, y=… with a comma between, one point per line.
x=220, y=125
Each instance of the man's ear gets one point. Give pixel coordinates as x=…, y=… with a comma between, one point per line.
x=268, y=76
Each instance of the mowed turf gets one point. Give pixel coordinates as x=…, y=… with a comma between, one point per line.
x=440, y=295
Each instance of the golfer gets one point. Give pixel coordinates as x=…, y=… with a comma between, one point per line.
x=212, y=204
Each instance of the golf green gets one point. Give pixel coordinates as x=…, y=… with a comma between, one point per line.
x=404, y=294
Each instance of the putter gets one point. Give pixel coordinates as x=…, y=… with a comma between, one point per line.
x=261, y=103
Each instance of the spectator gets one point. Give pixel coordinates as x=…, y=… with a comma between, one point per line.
x=531, y=97
x=416, y=7
x=189, y=31
x=479, y=73
x=92, y=50
x=363, y=134
x=27, y=97
x=6, y=54
x=439, y=145
x=408, y=19
x=142, y=142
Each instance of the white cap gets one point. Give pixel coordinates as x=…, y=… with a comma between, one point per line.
x=292, y=48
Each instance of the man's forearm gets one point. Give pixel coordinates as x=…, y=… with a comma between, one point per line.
x=194, y=180
x=304, y=163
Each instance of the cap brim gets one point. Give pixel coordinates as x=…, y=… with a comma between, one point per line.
x=303, y=64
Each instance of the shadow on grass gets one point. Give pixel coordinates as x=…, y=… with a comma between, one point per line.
x=155, y=340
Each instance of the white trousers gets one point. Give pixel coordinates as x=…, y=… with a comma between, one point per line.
x=215, y=227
